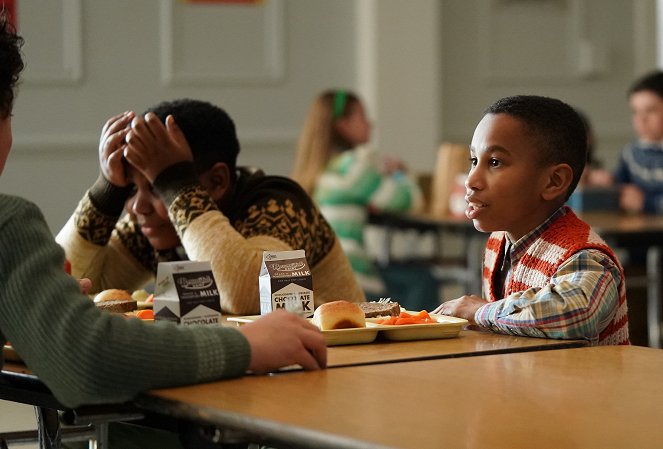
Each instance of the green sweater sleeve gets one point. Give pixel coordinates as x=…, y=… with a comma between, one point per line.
x=84, y=355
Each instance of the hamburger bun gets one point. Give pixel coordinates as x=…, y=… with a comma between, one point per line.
x=338, y=315
x=115, y=301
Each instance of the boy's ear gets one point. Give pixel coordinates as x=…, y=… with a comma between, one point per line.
x=217, y=181
x=558, y=180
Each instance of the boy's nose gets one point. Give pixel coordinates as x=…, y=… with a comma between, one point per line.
x=141, y=205
x=472, y=181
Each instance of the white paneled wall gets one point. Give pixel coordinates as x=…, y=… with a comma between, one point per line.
x=426, y=68
x=585, y=52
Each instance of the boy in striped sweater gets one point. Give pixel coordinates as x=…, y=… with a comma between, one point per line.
x=640, y=169
x=546, y=273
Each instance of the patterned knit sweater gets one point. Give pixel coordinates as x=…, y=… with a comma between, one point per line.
x=642, y=164
x=264, y=213
x=565, y=237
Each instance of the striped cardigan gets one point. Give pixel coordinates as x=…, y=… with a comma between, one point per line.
x=565, y=237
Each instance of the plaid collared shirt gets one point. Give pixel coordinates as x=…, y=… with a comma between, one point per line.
x=589, y=278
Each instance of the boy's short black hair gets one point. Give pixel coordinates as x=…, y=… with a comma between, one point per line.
x=653, y=82
x=11, y=64
x=209, y=130
x=555, y=126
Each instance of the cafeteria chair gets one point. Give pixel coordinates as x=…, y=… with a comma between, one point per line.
x=55, y=422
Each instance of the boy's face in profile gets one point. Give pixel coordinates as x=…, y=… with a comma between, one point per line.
x=506, y=179
x=647, y=115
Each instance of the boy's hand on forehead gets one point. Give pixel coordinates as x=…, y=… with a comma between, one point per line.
x=111, y=148
x=152, y=146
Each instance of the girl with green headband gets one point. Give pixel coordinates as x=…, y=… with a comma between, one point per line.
x=347, y=178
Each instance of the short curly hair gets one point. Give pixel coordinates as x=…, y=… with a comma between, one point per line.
x=652, y=82
x=208, y=129
x=555, y=126
x=11, y=64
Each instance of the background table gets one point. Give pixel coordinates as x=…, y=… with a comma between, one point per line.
x=603, y=397
x=637, y=231
x=618, y=229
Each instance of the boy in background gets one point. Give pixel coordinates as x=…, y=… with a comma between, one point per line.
x=639, y=174
x=640, y=168
x=546, y=273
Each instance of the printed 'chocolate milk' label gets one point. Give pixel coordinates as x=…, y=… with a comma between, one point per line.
x=186, y=293
x=286, y=283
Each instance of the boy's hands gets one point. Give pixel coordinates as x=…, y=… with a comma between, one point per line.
x=391, y=164
x=111, y=148
x=631, y=198
x=152, y=146
x=464, y=307
x=85, y=284
x=282, y=338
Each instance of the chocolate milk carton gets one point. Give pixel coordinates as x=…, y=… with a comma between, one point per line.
x=186, y=293
x=286, y=283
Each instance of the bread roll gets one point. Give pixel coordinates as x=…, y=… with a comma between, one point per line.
x=338, y=315
x=113, y=294
x=115, y=301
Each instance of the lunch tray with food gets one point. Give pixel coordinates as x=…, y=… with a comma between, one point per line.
x=405, y=326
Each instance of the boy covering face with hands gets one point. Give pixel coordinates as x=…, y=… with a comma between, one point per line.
x=546, y=273
x=170, y=189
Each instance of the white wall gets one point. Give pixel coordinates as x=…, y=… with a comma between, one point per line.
x=421, y=66
x=585, y=52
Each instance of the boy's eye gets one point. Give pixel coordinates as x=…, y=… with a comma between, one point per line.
x=494, y=162
x=473, y=161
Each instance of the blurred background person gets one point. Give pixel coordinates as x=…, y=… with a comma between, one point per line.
x=348, y=179
x=594, y=174
x=640, y=168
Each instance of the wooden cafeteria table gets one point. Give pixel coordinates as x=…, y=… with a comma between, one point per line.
x=468, y=343
x=18, y=384
x=602, y=397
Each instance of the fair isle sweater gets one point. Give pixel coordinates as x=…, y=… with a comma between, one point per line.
x=263, y=213
x=84, y=355
x=350, y=185
x=641, y=164
x=565, y=282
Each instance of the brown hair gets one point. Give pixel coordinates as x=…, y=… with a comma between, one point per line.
x=319, y=140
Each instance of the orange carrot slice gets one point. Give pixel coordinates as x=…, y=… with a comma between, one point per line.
x=145, y=314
